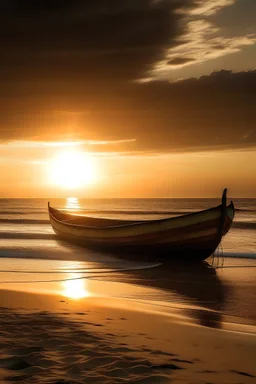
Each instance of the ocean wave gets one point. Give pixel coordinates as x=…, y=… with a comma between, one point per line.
x=27, y=235
x=240, y=255
x=24, y=221
x=244, y=225
x=17, y=212
x=245, y=210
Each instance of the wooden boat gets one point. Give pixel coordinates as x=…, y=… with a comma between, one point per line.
x=191, y=236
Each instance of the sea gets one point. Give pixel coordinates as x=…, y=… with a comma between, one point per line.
x=218, y=293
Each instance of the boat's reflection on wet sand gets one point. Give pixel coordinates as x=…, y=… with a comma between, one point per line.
x=193, y=290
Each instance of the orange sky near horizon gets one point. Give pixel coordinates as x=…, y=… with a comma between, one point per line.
x=31, y=169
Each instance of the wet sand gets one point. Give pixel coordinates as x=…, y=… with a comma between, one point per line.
x=52, y=339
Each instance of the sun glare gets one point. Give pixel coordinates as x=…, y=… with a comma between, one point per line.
x=72, y=169
x=75, y=289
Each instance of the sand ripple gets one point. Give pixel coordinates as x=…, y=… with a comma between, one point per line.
x=45, y=347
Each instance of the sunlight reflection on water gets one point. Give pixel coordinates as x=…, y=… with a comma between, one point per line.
x=72, y=203
x=75, y=289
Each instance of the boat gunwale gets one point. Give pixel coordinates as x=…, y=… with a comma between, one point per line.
x=144, y=223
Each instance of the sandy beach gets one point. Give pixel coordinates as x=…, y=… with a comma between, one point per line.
x=52, y=339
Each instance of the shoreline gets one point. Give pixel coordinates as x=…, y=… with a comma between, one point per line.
x=147, y=308
x=203, y=296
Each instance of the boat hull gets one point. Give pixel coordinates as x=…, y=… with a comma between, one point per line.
x=145, y=252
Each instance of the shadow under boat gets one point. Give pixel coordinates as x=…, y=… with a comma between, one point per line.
x=196, y=284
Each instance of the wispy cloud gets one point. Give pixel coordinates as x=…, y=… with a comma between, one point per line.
x=202, y=40
x=209, y=7
x=42, y=144
x=110, y=142
x=201, y=44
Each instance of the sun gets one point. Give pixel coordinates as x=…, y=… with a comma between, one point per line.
x=72, y=169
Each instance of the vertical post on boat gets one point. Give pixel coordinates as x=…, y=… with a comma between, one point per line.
x=223, y=215
x=224, y=198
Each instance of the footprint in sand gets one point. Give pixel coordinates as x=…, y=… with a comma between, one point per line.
x=14, y=364
x=166, y=366
x=242, y=373
x=183, y=361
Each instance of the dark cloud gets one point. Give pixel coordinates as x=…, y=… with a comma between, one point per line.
x=215, y=111
x=180, y=61
x=91, y=39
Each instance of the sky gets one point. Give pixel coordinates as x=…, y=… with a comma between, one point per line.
x=127, y=98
